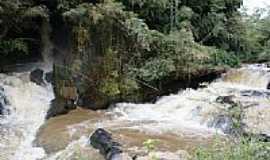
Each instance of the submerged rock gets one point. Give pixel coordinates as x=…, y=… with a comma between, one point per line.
x=49, y=77
x=255, y=93
x=3, y=102
x=36, y=76
x=111, y=150
x=260, y=137
x=222, y=122
x=226, y=100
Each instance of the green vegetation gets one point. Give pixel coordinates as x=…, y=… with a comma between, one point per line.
x=123, y=47
x=150, y=146
x=236, y=146
x=117, y=49
x=244, y=149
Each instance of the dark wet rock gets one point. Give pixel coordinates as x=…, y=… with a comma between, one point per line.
x=227, y=125
x=263, y=137
x=49, y=77
x=59, y=107
x=3, y=102
x=223, y=122
x=36, y=76
x=268, y=86
x=255, y=93
x=226, y=100
x=102, y=140
x=91, y=104
x=260, y=137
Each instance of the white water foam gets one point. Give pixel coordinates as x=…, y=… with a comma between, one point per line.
x=28, y=104
x=192, y=110
x=188, y=111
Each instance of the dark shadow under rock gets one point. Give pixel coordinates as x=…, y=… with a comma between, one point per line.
x=59, y=107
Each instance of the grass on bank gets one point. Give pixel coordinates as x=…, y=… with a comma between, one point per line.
x=244, y=149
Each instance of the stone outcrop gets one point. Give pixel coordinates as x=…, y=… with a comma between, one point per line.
x=36, y=76
x=90, y=63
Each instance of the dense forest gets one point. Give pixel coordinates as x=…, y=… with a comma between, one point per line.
x=107, y=51
x=135, y=43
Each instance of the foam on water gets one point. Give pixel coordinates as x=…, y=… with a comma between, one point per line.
x=28, y=104
x=187, y=113
x=192, y=110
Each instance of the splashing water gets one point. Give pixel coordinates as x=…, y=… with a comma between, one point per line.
x=187, y=113
x=192, y=110
x=28, y=104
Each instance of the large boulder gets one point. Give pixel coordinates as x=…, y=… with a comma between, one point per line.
x=36, y=76
x=109, y=148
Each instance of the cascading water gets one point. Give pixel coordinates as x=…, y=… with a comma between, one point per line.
x=190, y=114
x=24, y=105
x=28, y=105
x=195, y=110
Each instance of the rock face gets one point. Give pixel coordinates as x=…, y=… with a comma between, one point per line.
x=102, y=140
x=36, y=76
x=87, y=60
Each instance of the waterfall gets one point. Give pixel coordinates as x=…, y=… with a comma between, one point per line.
x=190, y=113
x=28, y=105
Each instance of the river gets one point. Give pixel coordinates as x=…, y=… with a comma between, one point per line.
x=180, y=121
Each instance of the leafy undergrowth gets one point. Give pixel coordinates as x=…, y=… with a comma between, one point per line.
x=244, y=149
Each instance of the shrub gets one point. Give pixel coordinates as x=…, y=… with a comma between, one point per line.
x=244, y=149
